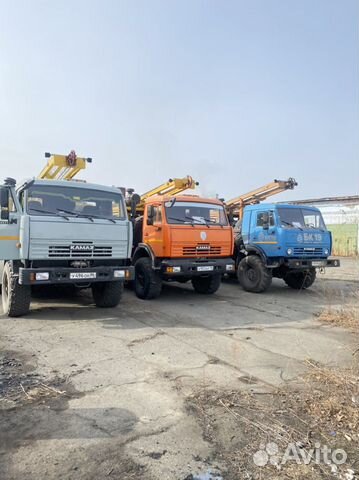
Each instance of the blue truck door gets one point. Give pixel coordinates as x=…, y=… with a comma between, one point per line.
x=9, y=225
x=263, y=231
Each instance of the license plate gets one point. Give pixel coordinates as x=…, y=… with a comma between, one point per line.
x=318, y=264
x=205, y=268
x=82, y=275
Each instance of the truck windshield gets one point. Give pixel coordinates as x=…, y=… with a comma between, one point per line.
x=195, y=213
x=81, y=202
x=301, y=218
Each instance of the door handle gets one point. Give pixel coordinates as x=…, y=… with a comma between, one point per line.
x=13, y=221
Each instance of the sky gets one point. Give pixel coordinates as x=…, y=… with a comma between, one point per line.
x=234, y=93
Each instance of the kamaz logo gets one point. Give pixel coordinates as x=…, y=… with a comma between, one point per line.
x=81, y=248
x=203, y=247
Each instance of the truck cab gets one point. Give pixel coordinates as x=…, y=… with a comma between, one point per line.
x=181, y=238
x=281, y=240
x=62, y=232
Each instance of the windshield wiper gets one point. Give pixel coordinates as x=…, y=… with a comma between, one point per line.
x=212, y=222
x=287, y=223
x=48, y=212
x=182, y=220
x=84, y=215
x=99, y=217
x=291, y=225
x=315, y=228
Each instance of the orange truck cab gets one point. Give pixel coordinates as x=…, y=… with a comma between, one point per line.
x=181, y=238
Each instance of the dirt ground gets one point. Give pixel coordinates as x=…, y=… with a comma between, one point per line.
x=185, y=387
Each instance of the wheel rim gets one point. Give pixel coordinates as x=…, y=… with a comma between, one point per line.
x=5, y=288
x=141, y=278
x=252, y=275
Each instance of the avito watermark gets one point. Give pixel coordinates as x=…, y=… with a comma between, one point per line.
x=270, y=454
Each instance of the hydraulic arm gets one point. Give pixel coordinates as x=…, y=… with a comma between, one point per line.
x=174, y=186
x=236, y=205
x=63, y=167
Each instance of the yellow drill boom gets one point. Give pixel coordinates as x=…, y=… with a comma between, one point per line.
x=63, y=167
x=174, y=186
x=236, y=205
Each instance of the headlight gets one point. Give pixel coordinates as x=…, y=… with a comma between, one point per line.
x=326, y=251
x=119, y=274
x=42, y=276
x=173, y=269
x=289, y=251
x=230, y=268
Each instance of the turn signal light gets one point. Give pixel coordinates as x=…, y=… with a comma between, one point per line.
x=173, y=269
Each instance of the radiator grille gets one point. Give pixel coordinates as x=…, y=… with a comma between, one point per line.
x=308, y=251
x=75, y=251
x=201, y=250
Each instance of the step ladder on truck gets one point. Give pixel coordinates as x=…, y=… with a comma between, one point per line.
x=56, y=231
x=277, y=240
x=179, y=237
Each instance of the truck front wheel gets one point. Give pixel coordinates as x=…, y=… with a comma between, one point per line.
x=253, y=275
x=206, y=285
x=16, y=298
x=107, y=294
x=148, y=282
x=300, y=280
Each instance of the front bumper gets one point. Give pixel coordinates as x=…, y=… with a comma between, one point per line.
x=190, y=267
x=312, y=263
x=27, y=276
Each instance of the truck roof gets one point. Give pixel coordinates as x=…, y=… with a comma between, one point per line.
x=73, y=184
x=261, y=206
x=183, y=198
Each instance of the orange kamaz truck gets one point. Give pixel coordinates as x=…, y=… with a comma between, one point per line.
x=181, y=238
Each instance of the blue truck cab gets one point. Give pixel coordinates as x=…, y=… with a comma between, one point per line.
x=285, y=241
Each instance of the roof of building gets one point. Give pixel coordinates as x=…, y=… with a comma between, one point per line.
x=352, y=199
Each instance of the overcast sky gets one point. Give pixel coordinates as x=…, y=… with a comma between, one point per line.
x=235, y=93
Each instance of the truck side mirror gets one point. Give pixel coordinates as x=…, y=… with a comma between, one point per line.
x=150, y=214
x=135, y=200
x=265, y=220
x=4, y=203
x=230, y=218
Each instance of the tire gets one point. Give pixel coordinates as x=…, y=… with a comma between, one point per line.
x=148, y=282
x=206, y=285
x=253, y=274
x=107, y=294
x=16, y=298
x=301, y=280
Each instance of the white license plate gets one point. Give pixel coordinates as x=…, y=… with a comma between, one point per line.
x=82, y=275
x=205, y=268
x=318, y=264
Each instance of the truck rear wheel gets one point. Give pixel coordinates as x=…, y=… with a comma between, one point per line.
x=148, y=282
x=301, y=280
x=16, y=298
x=253, y=275
x=206, y=285
x=107, y=294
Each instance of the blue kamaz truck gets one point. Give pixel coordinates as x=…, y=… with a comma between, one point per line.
x=283, y=241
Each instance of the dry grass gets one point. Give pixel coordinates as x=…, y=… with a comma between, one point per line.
x=334, y=398
x=323, y=408
x=40, y=391
x=346, y=317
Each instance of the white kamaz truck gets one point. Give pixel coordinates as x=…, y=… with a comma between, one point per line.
x=62, y=232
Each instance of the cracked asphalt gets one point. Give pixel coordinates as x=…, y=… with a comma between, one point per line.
x=132, y=368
